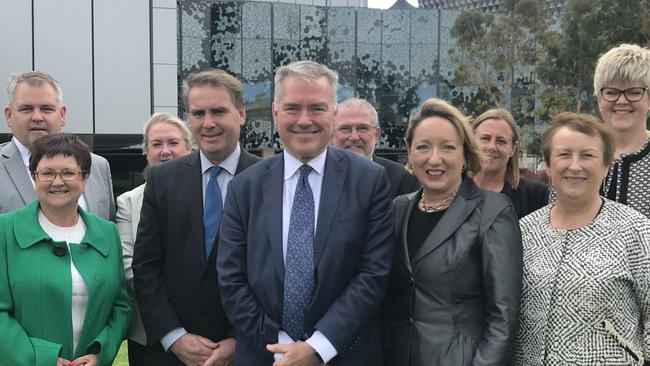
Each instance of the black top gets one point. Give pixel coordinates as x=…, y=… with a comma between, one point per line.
x=421, y=224
x=530, y=196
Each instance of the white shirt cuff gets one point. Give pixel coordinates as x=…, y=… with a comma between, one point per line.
x=322, y=345
x=283, y=338
x=172, y=337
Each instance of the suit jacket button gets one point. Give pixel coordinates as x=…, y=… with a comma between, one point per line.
x=410, y=320
x=411, y=280
x=204, y=281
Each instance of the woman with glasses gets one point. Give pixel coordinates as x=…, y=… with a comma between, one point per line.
x=621, y=85
x=63, y=300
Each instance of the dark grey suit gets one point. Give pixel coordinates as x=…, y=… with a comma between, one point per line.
x=175, y=284
x=401, y=181
x=17, y=189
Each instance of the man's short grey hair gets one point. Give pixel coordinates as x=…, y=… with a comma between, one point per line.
x=32, y=78
x=308, y=71
x=627, y=63
x=354, y=103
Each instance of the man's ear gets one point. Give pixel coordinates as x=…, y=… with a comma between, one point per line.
x=242, y=116
x=64, y=110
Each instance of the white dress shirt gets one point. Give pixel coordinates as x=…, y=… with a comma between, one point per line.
x=318, y=341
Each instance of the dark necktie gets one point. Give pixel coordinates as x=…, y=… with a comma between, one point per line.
x=299, y=273
x=213, y=209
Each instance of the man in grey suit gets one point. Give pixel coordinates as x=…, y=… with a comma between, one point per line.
x=36, y=109
x=356, y=128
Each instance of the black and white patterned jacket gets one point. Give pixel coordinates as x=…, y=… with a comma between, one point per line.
x=628, y=180
x=586, y=292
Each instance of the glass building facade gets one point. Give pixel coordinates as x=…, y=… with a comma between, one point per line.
x=395, y=59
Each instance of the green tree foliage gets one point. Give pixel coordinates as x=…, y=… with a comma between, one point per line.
x=588, y=29
x=494, y=49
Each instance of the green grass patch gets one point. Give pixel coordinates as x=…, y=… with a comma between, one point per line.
x=122, y=358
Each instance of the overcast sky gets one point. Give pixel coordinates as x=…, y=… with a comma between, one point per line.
x=385, y=4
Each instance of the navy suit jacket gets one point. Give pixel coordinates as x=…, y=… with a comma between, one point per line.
x=353, y=247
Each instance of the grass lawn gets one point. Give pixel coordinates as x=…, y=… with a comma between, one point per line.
x=122, y=359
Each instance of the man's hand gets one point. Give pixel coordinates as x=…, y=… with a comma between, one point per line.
x=223, y=354
x=193, y=349
x=62, y=362
x=86, y=360
x=294, y=354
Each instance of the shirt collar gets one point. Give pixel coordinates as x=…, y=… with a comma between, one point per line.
x=291, y=164
x=24, y=151
x=230, y=164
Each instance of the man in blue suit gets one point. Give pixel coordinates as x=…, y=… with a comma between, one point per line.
x=306, y=239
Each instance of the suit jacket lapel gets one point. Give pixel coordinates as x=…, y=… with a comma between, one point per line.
x=18, y=173
x=91, y=192
x=272, y=189
x=193, y=185
x=336, y=168
x=402, y=217
x=462, y=206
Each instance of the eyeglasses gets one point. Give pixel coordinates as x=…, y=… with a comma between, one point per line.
x=48, y=176
x=631, y=94
x=361, y=130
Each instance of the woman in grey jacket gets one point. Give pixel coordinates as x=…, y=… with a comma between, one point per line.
x=453, y=298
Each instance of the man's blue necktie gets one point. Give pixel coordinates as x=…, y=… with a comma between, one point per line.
x=213, y=209
x=299, y=271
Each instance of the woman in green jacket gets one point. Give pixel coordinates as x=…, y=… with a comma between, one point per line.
x=63, y=300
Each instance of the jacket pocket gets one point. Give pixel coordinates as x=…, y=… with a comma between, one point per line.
x=631, y=351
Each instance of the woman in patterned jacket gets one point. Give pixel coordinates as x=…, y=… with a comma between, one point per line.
x=621, y=84
x=586, y=286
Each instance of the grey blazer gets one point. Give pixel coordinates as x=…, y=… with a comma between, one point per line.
x=16, y=189
x=456, y=302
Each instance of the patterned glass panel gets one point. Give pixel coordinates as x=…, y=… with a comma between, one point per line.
x=340, y=24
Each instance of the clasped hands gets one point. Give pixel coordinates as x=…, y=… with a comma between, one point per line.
x=194, y=350
x=85, y=360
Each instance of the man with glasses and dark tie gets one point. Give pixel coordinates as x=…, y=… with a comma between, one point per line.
x=621, y=82
x=356, y=128
x=174, y=260
x=306, y=239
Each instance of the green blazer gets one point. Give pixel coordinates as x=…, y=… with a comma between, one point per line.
x=36, y=291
